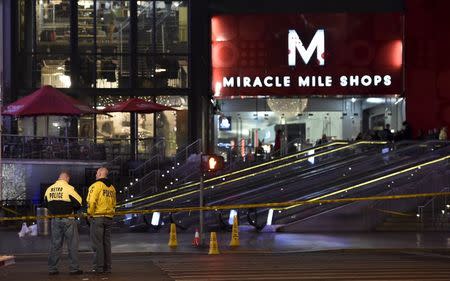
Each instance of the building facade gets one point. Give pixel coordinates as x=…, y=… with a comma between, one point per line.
x=172, y=52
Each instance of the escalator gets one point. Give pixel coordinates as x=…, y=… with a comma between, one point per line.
x=335, y=179
x=304, y=163
x=284, y=167
x=228, y=175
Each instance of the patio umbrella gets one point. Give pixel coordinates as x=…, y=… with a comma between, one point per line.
x=136, y=105
x=47, y=101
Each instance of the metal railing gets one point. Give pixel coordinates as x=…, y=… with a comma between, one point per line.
x=75, y=148
x=146, y=167
x=180, y=168
x=142, y=174
x=33, y=147
x=440, y=202
x=155, y=155
x=183, y=155
x=144, y=185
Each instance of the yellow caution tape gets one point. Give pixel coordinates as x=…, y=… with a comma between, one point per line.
x=394, y=212
x=9, y=210
x=240, y=206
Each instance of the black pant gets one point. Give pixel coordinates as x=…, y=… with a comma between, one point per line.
x=100, y=233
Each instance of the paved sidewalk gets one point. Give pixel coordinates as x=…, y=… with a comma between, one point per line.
x=360, y=266
x=252, y=242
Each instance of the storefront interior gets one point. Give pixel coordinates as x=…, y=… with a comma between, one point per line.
x=253, y=122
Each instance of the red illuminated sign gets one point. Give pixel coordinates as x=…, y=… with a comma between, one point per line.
x=307, y=54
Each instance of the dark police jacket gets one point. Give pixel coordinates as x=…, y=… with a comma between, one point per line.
x=62, y=199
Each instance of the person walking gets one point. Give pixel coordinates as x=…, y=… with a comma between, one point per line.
x=62, y=199
x=101, y=200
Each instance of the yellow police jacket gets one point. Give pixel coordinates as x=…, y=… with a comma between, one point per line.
x=101, y=199
x=61, y=198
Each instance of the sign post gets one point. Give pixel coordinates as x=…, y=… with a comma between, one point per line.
x=208, y=163
x=202, y=236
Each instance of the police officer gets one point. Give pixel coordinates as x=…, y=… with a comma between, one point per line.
x=62, y=199
x=101, y=201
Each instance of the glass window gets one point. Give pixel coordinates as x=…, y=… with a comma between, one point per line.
x=113, y=24
x=115, y=125
x=145, y=26
x=52, y=70
x=172, y=125
x=86, y=127
x=145, y=132
x=52, y=126
x=113, y=71
x=163, y=71
x=171, y=27
x=87, y=71
x=25, y=75
x=86, y=26
x=53, y=26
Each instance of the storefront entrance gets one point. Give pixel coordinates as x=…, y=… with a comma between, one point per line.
x=245, y=124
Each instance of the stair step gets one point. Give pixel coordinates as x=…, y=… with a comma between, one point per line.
x=402, y=224
x=402, y=219
x=399, y=228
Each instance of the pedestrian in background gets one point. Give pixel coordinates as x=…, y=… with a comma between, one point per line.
x=277, y=146
x=443, y=134
x=101, y=202
x=62, y=199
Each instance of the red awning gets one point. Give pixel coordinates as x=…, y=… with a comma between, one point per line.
x=138, y=106
x=47, y=101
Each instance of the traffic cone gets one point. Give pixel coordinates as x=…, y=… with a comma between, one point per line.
x=213, y=247
x=235, y=233
x=196, y=241
x=173, y=236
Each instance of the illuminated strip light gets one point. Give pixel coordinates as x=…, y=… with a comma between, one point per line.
x=155, y=218
x=248, y=169
x=255, y=174
x=269, y=217
x=369, y=182
x=233, y=213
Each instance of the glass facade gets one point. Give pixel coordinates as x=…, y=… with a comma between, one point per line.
x=102, y=44
x=301, y=122
x=170, y=126
x=102, y=52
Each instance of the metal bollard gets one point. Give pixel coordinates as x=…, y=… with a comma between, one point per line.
x=43, y=225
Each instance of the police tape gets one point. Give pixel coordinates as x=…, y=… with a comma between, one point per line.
x=234, y=207
x=10, y=210
x=394, y=213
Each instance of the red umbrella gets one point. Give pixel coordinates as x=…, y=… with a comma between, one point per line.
x=47, y=101
x=137, y=106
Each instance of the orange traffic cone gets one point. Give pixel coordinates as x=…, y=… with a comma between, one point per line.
x=196, y=241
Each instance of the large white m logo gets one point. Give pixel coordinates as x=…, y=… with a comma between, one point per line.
x=317, y=43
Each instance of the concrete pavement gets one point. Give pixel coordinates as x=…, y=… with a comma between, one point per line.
x=253, y=242
x=200, y=267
